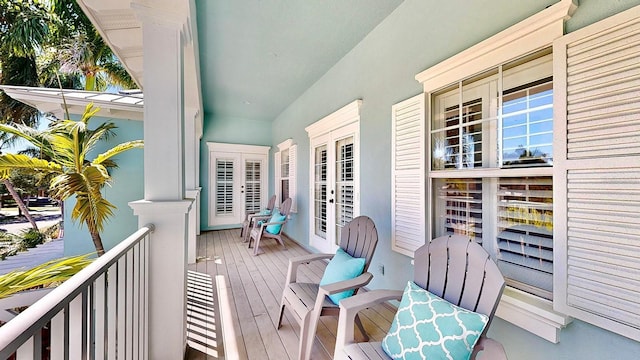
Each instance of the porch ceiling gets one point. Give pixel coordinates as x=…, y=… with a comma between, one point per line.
x=255, y=56
x=258, y=56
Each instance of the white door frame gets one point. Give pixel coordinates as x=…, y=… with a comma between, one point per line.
x=239, y=153
x=334, y=127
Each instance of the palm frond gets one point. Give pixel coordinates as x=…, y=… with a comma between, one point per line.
x=25, y=162
x=135, y=144
x=42, y=275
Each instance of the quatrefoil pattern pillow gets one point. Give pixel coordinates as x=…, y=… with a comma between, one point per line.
x=428, y=327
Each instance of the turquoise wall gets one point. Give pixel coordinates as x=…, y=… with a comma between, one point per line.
x=229, y=130
x=127, y=185
x=380, y=70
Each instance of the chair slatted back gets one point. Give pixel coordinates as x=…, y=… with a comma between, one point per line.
x=461, y=272
x=359, y=239
x=272, y=202
x=285, y=207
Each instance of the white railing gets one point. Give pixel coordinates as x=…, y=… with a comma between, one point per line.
x=101, y=312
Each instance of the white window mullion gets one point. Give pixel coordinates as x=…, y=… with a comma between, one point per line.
x=408, y=164
x=596, y=172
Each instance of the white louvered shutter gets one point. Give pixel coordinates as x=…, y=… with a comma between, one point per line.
x=277, y=171
x=293, y=156
x=597, y=174
x=408, y=175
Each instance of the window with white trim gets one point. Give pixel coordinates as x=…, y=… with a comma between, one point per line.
x=501, y=122
x=490, y=159
x=285, y=170
x=498, y=161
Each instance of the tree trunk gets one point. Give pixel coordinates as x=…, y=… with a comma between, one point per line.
x=97, y=242
x=20, y=204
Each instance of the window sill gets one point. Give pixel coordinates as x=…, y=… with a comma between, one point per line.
x=532, y=313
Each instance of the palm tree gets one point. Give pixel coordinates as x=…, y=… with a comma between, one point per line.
x=81, y=51
x=23, y=27
x=68, y=144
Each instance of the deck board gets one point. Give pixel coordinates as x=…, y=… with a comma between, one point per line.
x=255, y=285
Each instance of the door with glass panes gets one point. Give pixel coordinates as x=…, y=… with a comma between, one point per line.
x=334, y=185
x=237, y=184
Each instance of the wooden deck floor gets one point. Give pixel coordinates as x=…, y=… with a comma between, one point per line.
x=253, y=287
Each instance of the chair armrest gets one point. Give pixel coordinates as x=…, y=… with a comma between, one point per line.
x=257, y=216
x=490, y=349
x=351, y=284
x=350, y=307
x=294, y=262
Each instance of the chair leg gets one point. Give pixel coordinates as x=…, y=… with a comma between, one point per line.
x=306, y=338
x=256, y=248
x=245, y=232
x=361, y=328
x=281, y=314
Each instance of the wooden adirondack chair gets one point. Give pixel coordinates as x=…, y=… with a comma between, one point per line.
x=308, y=301
x=251, y=218
x=259, y=231
x=451, y=267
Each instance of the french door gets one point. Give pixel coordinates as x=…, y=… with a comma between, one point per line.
x=334, y=185
x=237, y=182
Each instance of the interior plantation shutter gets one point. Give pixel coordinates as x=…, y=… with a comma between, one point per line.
x=293, y=155
x=597, y=174
x=277, y=170
x=525, y=232
x=408, y=175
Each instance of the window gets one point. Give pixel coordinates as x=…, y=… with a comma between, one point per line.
x=224, y=187
x=285, y=169
x=489, y=161
x=500, y=122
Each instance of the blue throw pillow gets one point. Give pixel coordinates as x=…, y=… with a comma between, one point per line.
x=427, y=326
x=276, y=217
x=342, y=267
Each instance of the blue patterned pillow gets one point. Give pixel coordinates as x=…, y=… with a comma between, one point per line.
x=427, y=326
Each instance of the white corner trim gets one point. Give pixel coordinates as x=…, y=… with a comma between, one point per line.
x=533, y=33
x=347, y=114
x=531, y=313
x=285, y=144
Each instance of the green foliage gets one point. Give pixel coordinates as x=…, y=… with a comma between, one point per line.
x=47, y=274
x=67, y=145
x=31, y=238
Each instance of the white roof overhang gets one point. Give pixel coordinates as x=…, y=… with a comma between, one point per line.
x=48, y=100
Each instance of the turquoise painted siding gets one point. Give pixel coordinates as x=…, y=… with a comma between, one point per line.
x=232, y=131
x=380, y=70
x=127, y=186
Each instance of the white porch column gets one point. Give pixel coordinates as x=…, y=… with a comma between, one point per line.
x=164, y=204
x=193, y=133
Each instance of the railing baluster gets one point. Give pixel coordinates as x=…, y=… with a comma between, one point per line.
x=121, y=284
x=129, y=304
x=26, y=350
x=56, y=342
x=112, y=304
x=99, y=320
x=75, y=328
x=100, y=313
x=145, y=297
x=136, y=300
